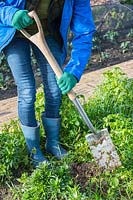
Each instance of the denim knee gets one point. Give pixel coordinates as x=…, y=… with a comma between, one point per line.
x=26, y=111
x=52, y=103
x=27, y=96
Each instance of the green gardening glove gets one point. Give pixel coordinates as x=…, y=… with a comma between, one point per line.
x=66, y=82
x=21, y=19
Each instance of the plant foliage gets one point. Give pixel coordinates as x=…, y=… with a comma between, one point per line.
x=111, y=107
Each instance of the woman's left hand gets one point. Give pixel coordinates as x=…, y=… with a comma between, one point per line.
x=66, y=82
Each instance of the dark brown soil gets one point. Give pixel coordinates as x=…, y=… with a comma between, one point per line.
x=8, y=93
x=5, y=193
x=82, y=173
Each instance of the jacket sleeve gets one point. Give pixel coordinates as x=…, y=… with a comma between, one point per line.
x=83, y=28
x=6, y=13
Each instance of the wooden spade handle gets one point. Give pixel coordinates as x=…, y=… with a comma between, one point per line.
x=39, y=40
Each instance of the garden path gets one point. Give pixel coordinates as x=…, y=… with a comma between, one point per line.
x=86, y=86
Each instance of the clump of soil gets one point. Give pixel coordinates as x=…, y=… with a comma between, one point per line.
x=82, y=172
x=5, y=193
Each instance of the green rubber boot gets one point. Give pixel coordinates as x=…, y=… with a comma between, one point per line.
x=52, y=126
x=32, y=138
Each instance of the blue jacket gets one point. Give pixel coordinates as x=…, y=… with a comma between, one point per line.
x=76, y=15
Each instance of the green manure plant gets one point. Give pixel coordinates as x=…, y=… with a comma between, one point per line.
x=121, y=130
x=113, y=96
x=77, y=177
x=50, y=183
x=12, y=151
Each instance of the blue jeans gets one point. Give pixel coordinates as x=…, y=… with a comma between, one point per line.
x=18, y=54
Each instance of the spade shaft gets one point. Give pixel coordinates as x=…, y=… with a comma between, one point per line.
x=83, y=114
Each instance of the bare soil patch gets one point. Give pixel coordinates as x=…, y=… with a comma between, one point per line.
x=83, y=172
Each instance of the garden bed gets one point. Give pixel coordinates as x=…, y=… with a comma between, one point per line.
x=77, y=176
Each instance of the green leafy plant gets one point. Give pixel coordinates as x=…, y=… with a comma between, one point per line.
x=53, y=184
x=125, y=46
x=111, y=35
x=113, y=96
x=12, y=151
x=121, y=130
x=104, y=56
x=130, y=34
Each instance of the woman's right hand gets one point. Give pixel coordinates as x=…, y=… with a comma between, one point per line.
x=21, y=19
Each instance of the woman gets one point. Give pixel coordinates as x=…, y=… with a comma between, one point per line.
x=56, y=17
